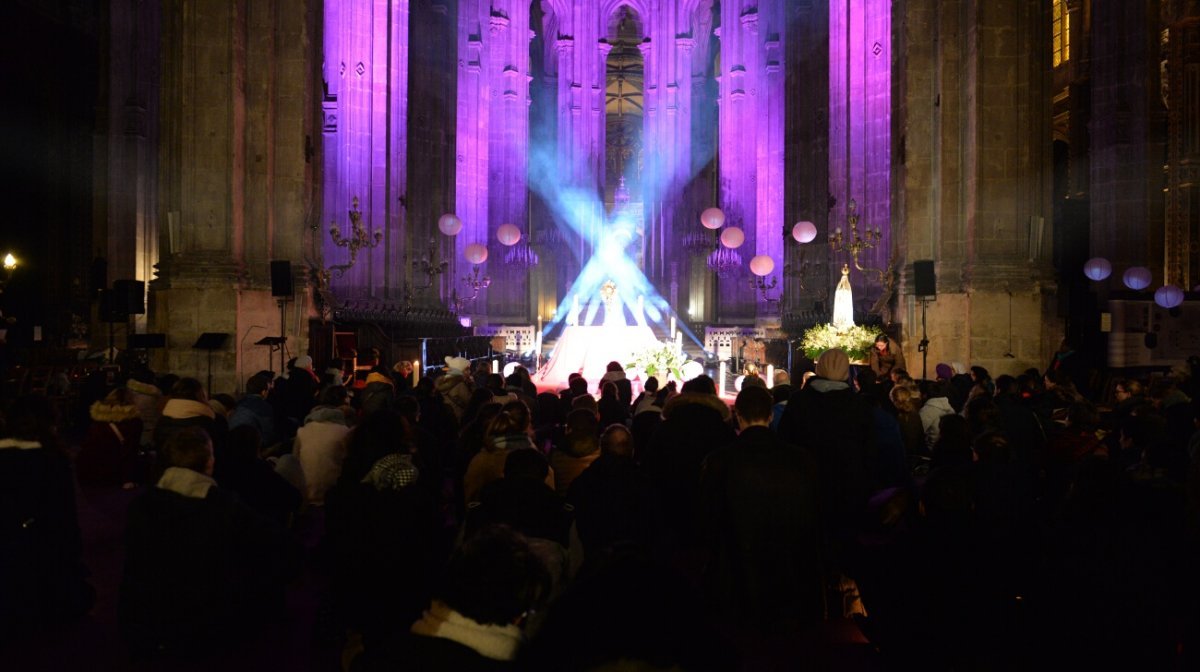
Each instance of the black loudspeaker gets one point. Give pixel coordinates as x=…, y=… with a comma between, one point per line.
x=924, y=280
x=129, y=297
x=281, y=278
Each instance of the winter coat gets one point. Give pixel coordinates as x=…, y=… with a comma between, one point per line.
x=149, y=401
x=320, y=447
x=108, y=453
x=257, y=412
x=931, y=412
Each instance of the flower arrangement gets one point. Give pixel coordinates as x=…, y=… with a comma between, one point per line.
x=660, y=360
x=857, y=341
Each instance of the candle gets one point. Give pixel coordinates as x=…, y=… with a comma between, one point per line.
x=679, y=341
x=495, y=366
x=416, y=372
x=721, y=381
x=672, y=326
x=770, y=376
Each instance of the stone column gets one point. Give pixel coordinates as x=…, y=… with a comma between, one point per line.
x=508, y=154
x=860, y=134
x=1127, y=132
x=235, y=180
x=974, y=180
x=366, y=73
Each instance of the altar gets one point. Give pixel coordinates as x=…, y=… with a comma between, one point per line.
x=587, y=350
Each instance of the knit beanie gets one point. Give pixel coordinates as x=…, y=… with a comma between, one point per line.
x=833, y=364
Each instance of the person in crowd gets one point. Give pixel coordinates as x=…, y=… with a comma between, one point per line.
x=300, y=393
x=646, y=398
x=587, y=403
x=201, y=568
x=493, y=583
x=455, y=386
x=108, y=455
x=613, y=499
x=827, y=419
x=548, y=421
x=937, y=404
x=382, y=521
x=906, y=399
x=885, y=356
x=256, y=481
x=760, y=500
x=505, y=433
x=523, y=501
x=255, y=411
x=695, y=423
x=613, y=372
x=579, y=449
x=953, y=444
x=379, y=393
x=320, y=449
x=402, y=376
x=42, y=575
x=612, y=409
x=187, y=406
x=149, y=401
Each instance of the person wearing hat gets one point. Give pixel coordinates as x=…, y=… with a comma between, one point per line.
x=455, y=387
x=830, y=421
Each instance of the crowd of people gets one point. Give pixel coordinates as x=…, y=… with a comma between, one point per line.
x=471, y=522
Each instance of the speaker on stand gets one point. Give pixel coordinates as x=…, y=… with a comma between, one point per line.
x=282, y=290
x=925, y=289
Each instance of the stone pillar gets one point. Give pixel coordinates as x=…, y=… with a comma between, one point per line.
x=1181, y=56
x=1127, y=132
x=235, y=181
x=508, y=154
x=471, y=137
x=366, y=77
x=974, y=179
x=751, y=170
x=860, y=135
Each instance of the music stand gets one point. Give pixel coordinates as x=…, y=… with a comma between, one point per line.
x=210, y=340
x=276, y=343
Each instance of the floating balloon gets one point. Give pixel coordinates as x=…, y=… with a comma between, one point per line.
x=449, y=224
x=1168, y=296
x=762, y=265
x=475, y=253
x=733, y=237
x=509, y=368
x=1097, y=268
x=692, y=370
x=508, y=234
x=804, y=232
x=1137, y=278
x=712, y=218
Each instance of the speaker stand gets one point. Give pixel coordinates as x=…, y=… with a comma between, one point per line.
x=923, y=346
x=282, y=332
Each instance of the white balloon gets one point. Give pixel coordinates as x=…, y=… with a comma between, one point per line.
x=449, y=224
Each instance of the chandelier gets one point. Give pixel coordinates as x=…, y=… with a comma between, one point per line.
x=521, y=256
x=855, y=243
x=724, y=261
x=697, y=242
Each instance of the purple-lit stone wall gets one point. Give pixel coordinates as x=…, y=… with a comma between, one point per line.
x=751, y=141
x=860, y=128
x=493, y=143
x=365, y=125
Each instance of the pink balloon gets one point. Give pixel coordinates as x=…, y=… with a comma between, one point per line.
x=508, y=234
x=1168, y=296
x=733, y=237
x=804, y=232
x=1137, y=278
x=449, y=224
x=762, y=265
x=712, y=218
x=475, y=253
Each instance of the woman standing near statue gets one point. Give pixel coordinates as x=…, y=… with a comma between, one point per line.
x=885, y=356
